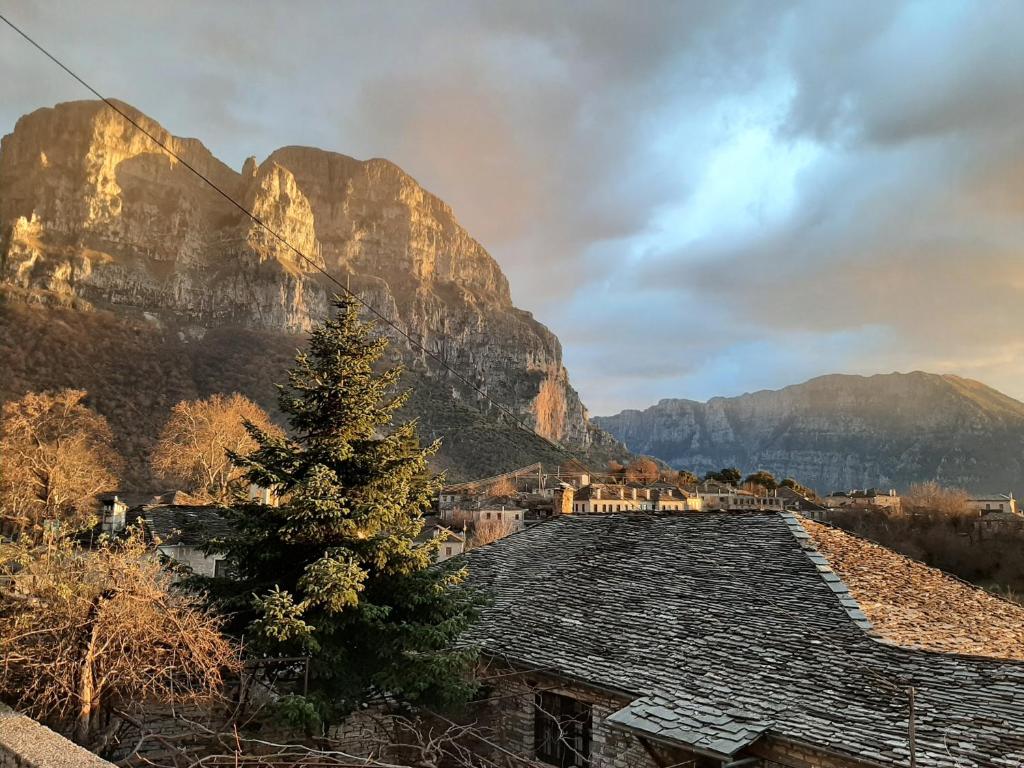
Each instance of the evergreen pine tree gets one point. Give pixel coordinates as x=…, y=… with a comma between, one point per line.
x=335, y=570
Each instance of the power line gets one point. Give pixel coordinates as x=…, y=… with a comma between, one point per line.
x=280, y=238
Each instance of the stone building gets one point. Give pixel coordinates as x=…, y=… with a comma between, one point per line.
x=600, y=498
x=452, y=542
x=997, y=502
x=721, y=497
x=872, y=497
x=179, y=531
x=648, y=641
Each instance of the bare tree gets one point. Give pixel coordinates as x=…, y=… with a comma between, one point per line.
x=194, y=447
x=643, y=470
x=486, y=531
x=934, y=498
x=56, y=455
x=83, y=632
x=505, y=486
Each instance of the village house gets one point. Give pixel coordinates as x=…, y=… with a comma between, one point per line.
x=998, y=502
x=452, y=542
x=870, y=498
x=600, y=498
x=647, y=641
x=179, y=531
x=793, y=501
x=721, y=497
x=504, y=510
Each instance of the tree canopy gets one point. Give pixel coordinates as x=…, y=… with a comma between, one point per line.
x=730, y=475
x=85, y=631
x=195, y=445
x=56, y=456
x=337, y=569
x=762, y=478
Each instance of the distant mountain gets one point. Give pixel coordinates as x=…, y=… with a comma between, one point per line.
x=841, y=431
x=123, y=273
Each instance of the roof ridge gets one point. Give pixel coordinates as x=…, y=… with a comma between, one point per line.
x=832, y=579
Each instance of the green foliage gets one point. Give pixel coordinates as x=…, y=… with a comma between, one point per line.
x=336, y=568
x=730, y=475
x=299, y=713
x=764, y=479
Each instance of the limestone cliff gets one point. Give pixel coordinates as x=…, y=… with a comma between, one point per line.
x=94, y=216
x=837, y=432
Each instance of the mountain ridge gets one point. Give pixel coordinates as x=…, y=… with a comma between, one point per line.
x=95, y=218
x=843, y=431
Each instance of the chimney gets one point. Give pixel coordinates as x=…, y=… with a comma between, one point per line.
x=262, y=495
x=113, y=515
x=647, y=493
x=597, y=491
x=584, y=480
x=622, y=492
x=634, y=493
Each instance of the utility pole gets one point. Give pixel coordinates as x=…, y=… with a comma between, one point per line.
x=911, y=735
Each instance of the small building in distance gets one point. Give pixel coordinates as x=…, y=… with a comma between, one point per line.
x=794, y=501
x=601, y=498
x=870, y=498
x=452, y=542
x=722, y=497
x=499, y=509
x=997, y=502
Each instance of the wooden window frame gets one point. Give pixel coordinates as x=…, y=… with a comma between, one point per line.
x=562, y=730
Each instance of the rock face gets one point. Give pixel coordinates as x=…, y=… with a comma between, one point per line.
x=838, y=432
x=94, y=215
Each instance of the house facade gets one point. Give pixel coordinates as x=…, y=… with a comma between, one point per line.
x=501, y=510
x=451, y=544
x=603, y=498
x=870, y=498
x=648, y=641
x=997, y=502
x=720, y=497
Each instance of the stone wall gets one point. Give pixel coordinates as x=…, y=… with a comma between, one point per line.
x=510, y=711
x=509, y=715
x=24, y=743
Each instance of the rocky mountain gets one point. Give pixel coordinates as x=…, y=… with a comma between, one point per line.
x=837, y=432
x=109, y=243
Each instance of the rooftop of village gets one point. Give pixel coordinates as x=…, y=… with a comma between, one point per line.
x=721, y=632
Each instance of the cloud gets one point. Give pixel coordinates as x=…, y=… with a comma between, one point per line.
x=699, y=198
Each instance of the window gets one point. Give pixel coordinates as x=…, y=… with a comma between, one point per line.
x=220, y=569
x=448, y=551
x=561, y=729
x=487, y=515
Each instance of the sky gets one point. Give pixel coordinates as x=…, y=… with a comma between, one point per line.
x=698, y=198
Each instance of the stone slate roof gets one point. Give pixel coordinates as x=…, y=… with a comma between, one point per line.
x=915, y=605
x=797, y=501
x=724, y=628
x=185, y=524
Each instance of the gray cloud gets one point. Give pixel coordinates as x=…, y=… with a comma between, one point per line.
x=699, y=198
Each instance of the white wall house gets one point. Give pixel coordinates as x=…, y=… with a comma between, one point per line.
x=719, y=497
x=869, y=498
x=452, y=542
x=999, y=502
x=600, y=498
x=486, y=513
